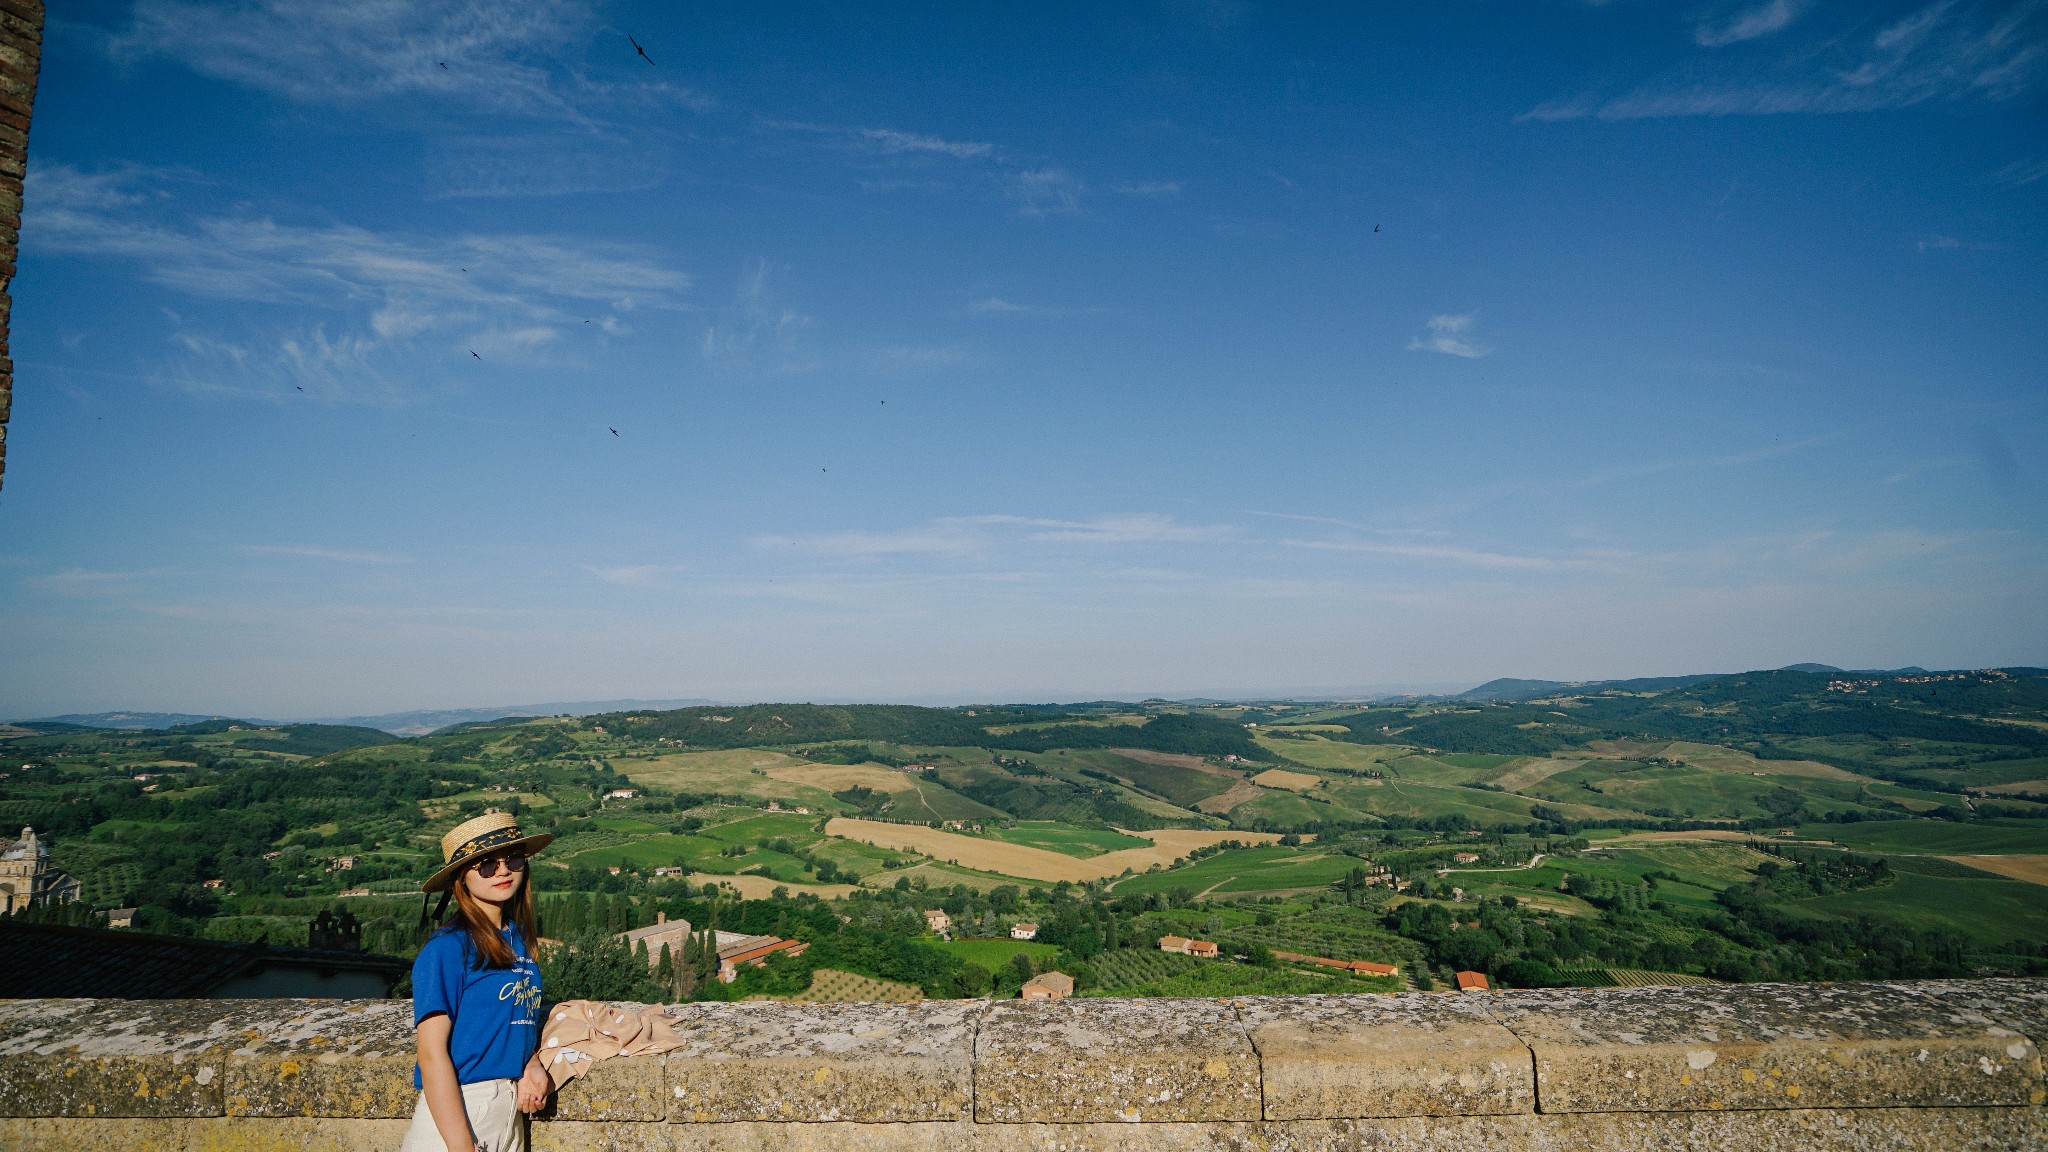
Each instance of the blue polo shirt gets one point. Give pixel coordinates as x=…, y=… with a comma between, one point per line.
x=494, y=1012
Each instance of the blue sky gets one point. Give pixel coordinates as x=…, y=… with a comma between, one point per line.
x=960, y=353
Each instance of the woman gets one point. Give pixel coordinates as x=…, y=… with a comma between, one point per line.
x=476, y=997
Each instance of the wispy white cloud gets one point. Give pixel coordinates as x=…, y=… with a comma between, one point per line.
x=1045, y=191
x=628, y=575
x=1937, y=242
x=1447, y=334
x=964, y=535
x=1446, y=553
x=1036, y=187
x=93, y=582
x=1947, y=50
x=940, y=539
x=890, y=140
x=335, y=554
x=1138, y=528
x=369, y=306
x=1749, y=24
x=1147, y=189
x=757, y=329
x=1000, y=306
x=487, y=56
x=2021, y=172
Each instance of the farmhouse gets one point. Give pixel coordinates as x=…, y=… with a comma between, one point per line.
x=1023, y=930
x=1472, y=982
x=663, y=931
x=1047, y=986
x=1465, y=858
x=622, y=793
x=1188, y=947
x=753, y=950
x=937, y=920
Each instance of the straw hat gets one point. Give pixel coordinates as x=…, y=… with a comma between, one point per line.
x=494, y=831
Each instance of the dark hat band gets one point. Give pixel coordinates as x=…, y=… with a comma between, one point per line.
x=487, y=842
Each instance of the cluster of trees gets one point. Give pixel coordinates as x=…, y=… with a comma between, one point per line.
x=1189, y=734
x=761, y=724
x=1748, y=937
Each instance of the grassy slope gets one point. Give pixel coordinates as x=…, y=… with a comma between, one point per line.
x=1993, y=910
x=1240, y=870
x=1940, y=837
x=1082, y=842
x=994, y=954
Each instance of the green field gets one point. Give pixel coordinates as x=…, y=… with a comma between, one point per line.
x=1938, y=837
x=994, y=954
x=664, y=850
x=1334, y=755
x=1182, y=786
x=1405, y=797
x=1239, y=870
x=796, y=829
x=1991, y=909
x=1476, y=760
x=1287, y=809
x=1065, y=838
x=1215, y=978
x=1694, y=793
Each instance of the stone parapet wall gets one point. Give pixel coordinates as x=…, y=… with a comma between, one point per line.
x=1934, y=1065
x=21, y=57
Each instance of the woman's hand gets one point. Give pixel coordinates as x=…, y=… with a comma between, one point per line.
x=534, y=1087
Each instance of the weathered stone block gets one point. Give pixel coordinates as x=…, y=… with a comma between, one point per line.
x=599, y=1136
x=221, y=1134
x=621, y=1088
x=116, y=1057
x=1761, y=1046
x=1412, y=1055
x=872, y=1063
x=1082, y=1061
x=2015, y=1007
x=325, y=1058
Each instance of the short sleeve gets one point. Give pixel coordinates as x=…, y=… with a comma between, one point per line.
x=437, y=978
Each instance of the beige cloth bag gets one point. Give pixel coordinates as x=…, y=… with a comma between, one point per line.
x=494, y=1118
x=580, y=1031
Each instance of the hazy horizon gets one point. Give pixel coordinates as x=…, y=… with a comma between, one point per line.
x=397, y=357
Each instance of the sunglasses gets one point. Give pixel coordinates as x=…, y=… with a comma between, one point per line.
x=513, y=861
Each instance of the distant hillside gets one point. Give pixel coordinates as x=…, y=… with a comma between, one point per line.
x=126, y=721
x=295, y=739
x=422, y=722
x=1507, y=690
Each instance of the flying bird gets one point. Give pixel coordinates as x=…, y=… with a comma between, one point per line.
x=300, y=387
x=472, y=352
x=639, y=49
x=1375, y=227
x=443, y=64
x=614, y=431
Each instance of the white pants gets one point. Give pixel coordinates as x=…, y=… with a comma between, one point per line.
x=494, y=1116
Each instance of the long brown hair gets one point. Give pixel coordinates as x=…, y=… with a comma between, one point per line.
x=489, y=944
